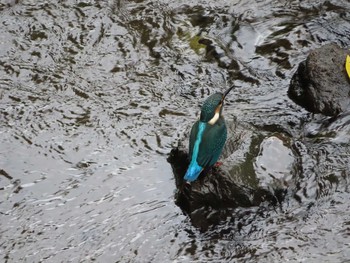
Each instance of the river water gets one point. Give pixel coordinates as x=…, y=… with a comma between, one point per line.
x=95, y=94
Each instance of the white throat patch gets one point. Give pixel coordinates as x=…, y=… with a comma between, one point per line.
x=214, y=119
x=216, y=115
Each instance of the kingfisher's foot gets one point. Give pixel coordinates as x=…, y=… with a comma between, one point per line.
x=218, y=164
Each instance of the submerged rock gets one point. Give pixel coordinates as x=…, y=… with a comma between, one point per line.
x=274, y=164
x=321, y=84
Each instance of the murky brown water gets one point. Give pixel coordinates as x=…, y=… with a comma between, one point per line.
x=95, y=94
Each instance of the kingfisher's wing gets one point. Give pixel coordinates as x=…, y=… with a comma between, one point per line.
x=213, y=141
x=193, y=136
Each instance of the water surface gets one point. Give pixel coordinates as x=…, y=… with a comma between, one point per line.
x=95, y=94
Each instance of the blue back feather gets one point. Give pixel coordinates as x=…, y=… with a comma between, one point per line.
x=194, y=168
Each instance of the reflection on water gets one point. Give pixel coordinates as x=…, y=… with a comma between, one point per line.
x=94, y=95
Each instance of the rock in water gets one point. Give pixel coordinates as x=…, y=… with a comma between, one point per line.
x=210, y=199
x=320, y=84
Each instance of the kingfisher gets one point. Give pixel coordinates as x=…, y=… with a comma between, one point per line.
x=208, y=136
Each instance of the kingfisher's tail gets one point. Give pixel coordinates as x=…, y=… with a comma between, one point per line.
x=193, y=172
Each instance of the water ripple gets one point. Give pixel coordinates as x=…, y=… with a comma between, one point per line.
x=95, y=94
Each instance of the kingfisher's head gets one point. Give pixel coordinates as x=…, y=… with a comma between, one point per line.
x=212, y=107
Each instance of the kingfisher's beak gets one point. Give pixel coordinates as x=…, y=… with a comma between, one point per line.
x=227, y=92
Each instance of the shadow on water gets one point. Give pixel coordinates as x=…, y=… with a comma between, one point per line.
x=93, y=97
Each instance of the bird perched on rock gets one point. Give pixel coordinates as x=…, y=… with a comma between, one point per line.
x=208, y=136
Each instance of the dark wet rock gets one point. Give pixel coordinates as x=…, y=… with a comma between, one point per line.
x=321, y=84
x=208, y=200
x=249, y=176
